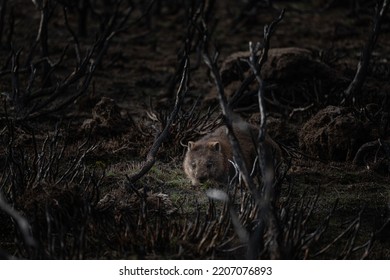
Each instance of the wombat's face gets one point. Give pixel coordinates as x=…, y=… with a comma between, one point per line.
x=205, y=161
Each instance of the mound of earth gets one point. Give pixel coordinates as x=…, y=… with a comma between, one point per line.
x=334, y=133
x=282, y=64
x=107, y=119
x=284, y=67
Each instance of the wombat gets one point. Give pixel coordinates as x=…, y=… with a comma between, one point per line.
x=209, y=157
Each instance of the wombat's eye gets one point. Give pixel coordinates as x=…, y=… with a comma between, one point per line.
x=209, y=164
x=193, y=165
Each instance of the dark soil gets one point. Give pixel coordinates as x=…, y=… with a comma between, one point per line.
x=67, y=171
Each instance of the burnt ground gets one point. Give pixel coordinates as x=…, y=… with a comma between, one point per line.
x=76, y=125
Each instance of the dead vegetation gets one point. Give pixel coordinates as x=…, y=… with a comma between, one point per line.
x=98, y=104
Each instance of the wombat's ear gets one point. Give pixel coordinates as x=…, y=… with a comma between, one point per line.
x=215, y=146
x=190, y=145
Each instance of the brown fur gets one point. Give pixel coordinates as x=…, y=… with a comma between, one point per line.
x=208, y=158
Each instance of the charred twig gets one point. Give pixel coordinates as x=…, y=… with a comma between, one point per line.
x=367, y=147
x=11, y=24
x=226, y=112
x=3, y=9
x=315, y=236
x=356, y=84
x=256, y=65
x=15, y=78
x=263, y=201
x=37, y=101
x=180, y=94
x=113, y=29
x=46, y=11
x=266, y=212
x=22, y=225
x=222, y=196
x=43, y=168
x=47, y=164
x=151, y=156
x=188, y=124
x=75, y=39
x=145, y=13
x=86, y=71
x=301, y=109
x=352, y=228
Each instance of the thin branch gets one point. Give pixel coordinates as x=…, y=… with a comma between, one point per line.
x=266, y=213
x=3, y=9
x=151, y=156
x=341, y=235
x=227, y=115
x=180, y=93
x=75, y=39
x=356, y=84
x=21, y=222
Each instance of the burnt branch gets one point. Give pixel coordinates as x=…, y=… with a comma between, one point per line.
x=75, y=39
x=371, y=148
x=151, y=156
x=356, y=84
x=352, y=230
x=21, y=223
x=266, y=214
x=189, y=124
x=227, y=114
x=3, y=9
x=43, y=173
x=180, y=94
x=46, y=9
x=37, y=101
